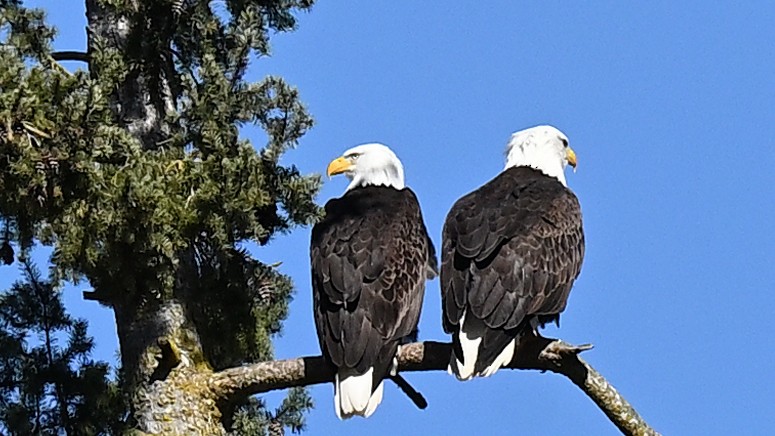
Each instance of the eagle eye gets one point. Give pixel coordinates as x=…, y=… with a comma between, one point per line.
x=564, y=142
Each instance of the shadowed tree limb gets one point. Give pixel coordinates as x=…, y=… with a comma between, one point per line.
x=410, y=391
x=70, y=56
x=532, y=353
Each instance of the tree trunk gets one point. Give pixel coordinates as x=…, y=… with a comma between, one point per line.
x=171, y=388
x=166, y=376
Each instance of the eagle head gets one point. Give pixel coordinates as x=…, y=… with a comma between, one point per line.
x=544, y=148
x=369, y=164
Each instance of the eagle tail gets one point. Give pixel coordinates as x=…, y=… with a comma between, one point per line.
x=467, y=360
x=503, y=359
x=464, y=356
x=353, y=394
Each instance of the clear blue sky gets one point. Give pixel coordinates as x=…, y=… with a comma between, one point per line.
x=670, y=107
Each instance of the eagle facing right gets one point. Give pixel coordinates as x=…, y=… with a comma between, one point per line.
x=511, y=251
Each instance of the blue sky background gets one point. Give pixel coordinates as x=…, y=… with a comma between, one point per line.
x=670, y=107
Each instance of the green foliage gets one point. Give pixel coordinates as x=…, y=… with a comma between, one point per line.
x=48, y=382
x=252, y=419
x=135, y=167
x=264, y=299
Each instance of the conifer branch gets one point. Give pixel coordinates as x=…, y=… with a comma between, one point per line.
x=534, y=353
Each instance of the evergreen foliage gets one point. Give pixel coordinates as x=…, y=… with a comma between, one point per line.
x=48, y=383
x=135, y=173
x=253, y=419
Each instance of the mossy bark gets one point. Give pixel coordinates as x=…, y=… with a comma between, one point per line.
x=166, y=377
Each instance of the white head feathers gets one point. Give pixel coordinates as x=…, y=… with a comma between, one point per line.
x=544, y=148
x=369, y=164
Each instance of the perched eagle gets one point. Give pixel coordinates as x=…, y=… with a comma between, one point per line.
x=371, y=255
x=510, y=253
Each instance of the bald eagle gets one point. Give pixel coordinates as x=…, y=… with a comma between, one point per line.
x=511, y=251
x=370, y=255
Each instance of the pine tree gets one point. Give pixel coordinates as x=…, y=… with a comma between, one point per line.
x=135, y=173
x=49, y=383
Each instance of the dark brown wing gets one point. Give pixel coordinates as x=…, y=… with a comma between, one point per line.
x=370, y=256
x=511, y=250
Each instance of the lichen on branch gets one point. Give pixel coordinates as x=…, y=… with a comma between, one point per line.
x=532, y=353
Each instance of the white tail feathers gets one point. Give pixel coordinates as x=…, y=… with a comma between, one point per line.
x=353, y=395
x=470, y=336
x=502, y=360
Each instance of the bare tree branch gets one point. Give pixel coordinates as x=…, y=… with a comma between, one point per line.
x=533, y=353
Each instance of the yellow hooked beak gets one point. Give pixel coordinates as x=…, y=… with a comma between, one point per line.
x=571, y=156
x=338, y=166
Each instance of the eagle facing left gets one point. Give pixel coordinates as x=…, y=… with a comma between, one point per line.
x=371, y=256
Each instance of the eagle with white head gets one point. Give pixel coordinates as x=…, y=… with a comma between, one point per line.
x=370, y=255
x=511, y=251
